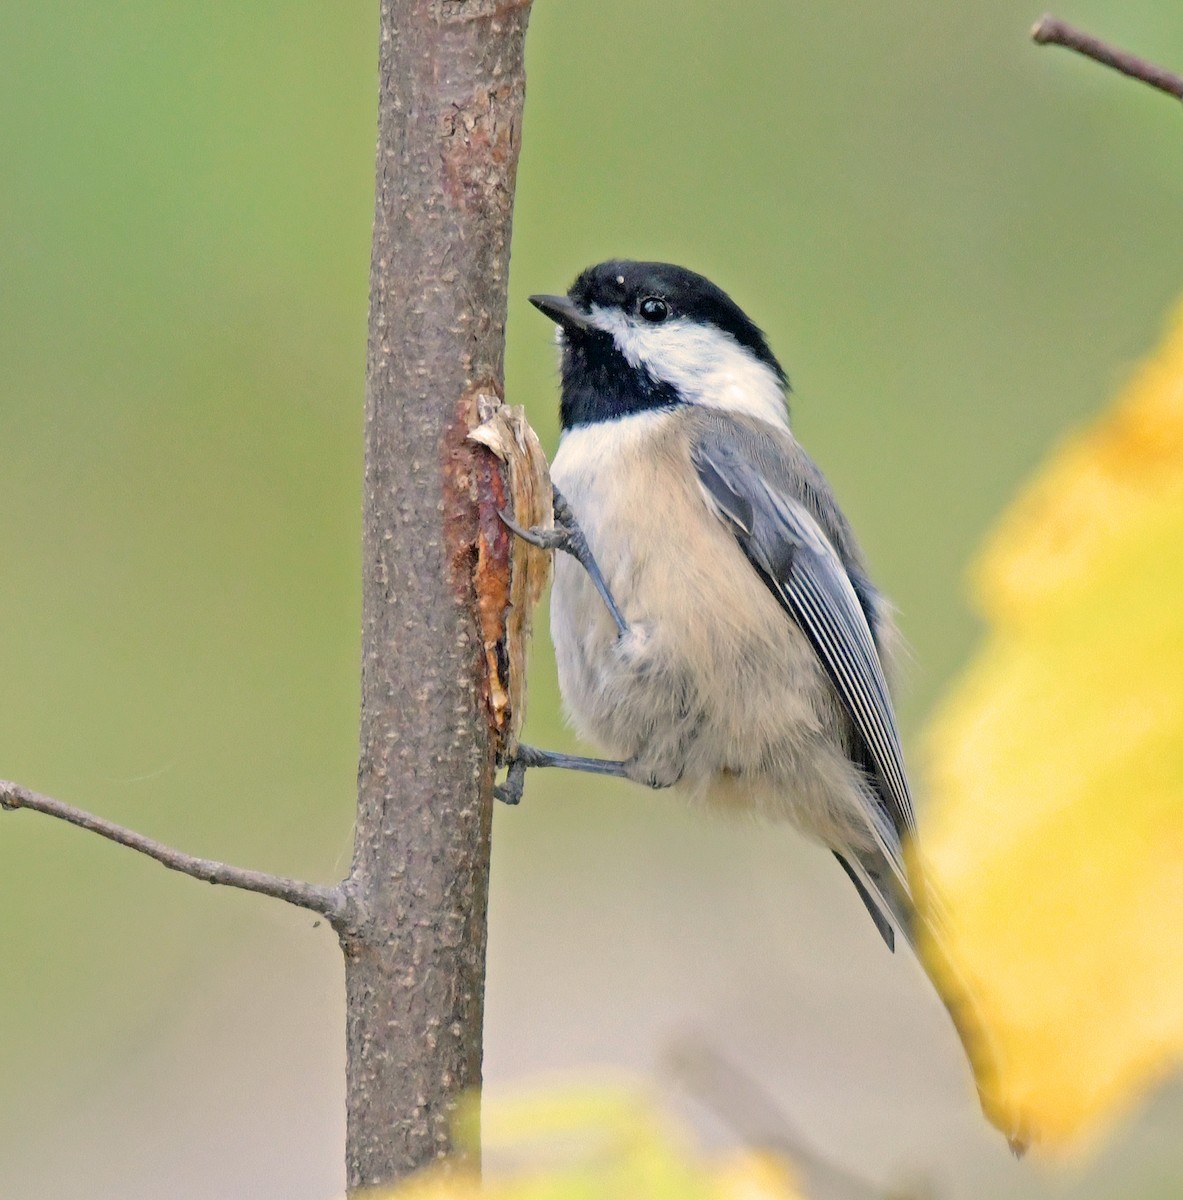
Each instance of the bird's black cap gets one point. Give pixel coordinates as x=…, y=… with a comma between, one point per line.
x=624, y=283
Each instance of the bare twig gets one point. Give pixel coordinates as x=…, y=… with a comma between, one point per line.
x=1051, y=31
x=331, y=902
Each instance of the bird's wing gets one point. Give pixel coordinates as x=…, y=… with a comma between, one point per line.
x=743, y=478
x=753, y=482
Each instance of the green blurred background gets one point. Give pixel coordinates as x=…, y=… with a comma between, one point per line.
x=958, y=244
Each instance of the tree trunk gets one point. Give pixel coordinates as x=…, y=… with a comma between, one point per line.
x=451, y=87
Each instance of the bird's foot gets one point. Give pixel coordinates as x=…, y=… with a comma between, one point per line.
x=569, y=538
x=634, y=769
x=525, y=757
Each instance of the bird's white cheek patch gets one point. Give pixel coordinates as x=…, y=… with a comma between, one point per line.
x=706, y=365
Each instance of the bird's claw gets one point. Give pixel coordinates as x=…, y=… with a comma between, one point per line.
x=558, y=537
x=510, y=791
x=567, y=536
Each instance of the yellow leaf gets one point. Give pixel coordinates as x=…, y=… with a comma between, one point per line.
x=755, y=1175
x=593, y=1143
x=1056, y=831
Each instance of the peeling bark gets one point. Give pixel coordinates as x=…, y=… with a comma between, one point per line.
x=511, y=573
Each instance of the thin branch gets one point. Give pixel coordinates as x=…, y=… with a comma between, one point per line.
x=330, y=902
x=1051, y=31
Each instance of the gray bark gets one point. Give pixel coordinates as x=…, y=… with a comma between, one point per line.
x=451, y=87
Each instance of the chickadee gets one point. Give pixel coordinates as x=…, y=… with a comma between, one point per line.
x=719, y=634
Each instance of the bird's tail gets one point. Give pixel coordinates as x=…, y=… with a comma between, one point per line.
x=918, y=913
x=931, y=945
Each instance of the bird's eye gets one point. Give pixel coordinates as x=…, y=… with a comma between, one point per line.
x=653, y=308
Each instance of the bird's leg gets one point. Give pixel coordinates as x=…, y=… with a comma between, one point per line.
x=510, y=792
x=636, y=769
x=568, y=537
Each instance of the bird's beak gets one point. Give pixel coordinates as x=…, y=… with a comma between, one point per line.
x=562, y=311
